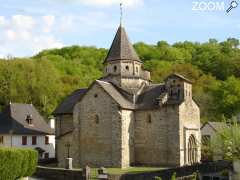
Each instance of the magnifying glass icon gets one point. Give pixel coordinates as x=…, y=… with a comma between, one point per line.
x=233, y=5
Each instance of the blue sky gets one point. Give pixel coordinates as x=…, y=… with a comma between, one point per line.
x=29, y=26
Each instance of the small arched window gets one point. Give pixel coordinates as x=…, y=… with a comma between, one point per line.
x=96, y=119
x=127, y=68
x=137, y=69
x=115, y=68
x=149, y=118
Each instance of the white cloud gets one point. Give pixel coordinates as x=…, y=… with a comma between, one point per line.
x=129, y=3
x=2, y=21
x=46, y=42
x=22, y=21
x=49, y=21
x=11, y=35
x=24, y=35
x=66, y=23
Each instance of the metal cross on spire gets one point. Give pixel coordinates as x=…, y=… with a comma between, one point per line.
x=121, y=13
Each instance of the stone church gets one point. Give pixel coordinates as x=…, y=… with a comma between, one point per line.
x=123, y=119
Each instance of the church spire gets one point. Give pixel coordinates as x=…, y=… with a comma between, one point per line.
x=121, y=48
x=121, y=13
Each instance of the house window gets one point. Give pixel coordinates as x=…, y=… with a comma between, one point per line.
x=46, y=155
x=1, y=139
x=127, y=67
x=34, y=140
x=29, y=119
x=24, y=140
x=206, y=139
x=95, y=95
x=46, y=140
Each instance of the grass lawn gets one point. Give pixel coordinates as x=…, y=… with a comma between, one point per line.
x=130, y=170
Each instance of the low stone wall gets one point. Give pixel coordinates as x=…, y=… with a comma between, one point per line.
x=181, y=172
x=57, y=174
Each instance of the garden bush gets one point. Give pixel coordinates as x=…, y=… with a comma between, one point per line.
x=17, y=163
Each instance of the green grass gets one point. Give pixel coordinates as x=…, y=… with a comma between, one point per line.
x=131, y=170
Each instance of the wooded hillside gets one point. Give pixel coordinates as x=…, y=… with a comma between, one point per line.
x=48, y=77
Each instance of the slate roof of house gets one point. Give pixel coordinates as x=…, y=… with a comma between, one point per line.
x=13, y=119
x=217, y=126
x=121, y=48
x=66, y=107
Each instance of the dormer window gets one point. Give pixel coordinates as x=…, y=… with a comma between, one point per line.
x=29, y=119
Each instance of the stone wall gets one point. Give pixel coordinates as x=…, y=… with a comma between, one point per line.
x=182, y=173
x=157, y=137
x=127, y=138
x=62, y=149
x=189, y=125
x=99, y=128
x=57, y=174
x=64, y=124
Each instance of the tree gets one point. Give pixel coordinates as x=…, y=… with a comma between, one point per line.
x=227, y=97
x=226, y=143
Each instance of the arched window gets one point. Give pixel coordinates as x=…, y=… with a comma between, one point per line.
x=115, y=68
x=96, y=119
x=192, y=150
x=137, y=69
x=127, y=68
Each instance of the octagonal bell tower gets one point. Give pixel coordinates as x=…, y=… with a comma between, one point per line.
x=123, y=67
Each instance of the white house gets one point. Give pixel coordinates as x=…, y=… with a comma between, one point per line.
x=22, y=126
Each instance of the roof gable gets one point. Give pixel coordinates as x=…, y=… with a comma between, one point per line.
x=14, y=119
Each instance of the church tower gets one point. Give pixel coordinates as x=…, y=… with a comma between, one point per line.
x=123, y=66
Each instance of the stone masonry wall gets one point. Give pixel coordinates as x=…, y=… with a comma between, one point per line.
x=127, y=138
x=99, y=129
x=62, y=149
x=189, y=125
x=157, y=142
x=64, y=123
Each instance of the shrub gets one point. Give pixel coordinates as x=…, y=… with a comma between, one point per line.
x=158, y=178
x=173, y=176
x=17, y=163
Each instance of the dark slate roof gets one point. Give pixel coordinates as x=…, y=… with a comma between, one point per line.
x=149, y=98
x=66, y=107
x=179, y=76
x=217, y=126
x=13, y=119
x=116, y=94
x=121, y=48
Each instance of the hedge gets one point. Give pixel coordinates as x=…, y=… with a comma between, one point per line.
x=16, y=163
